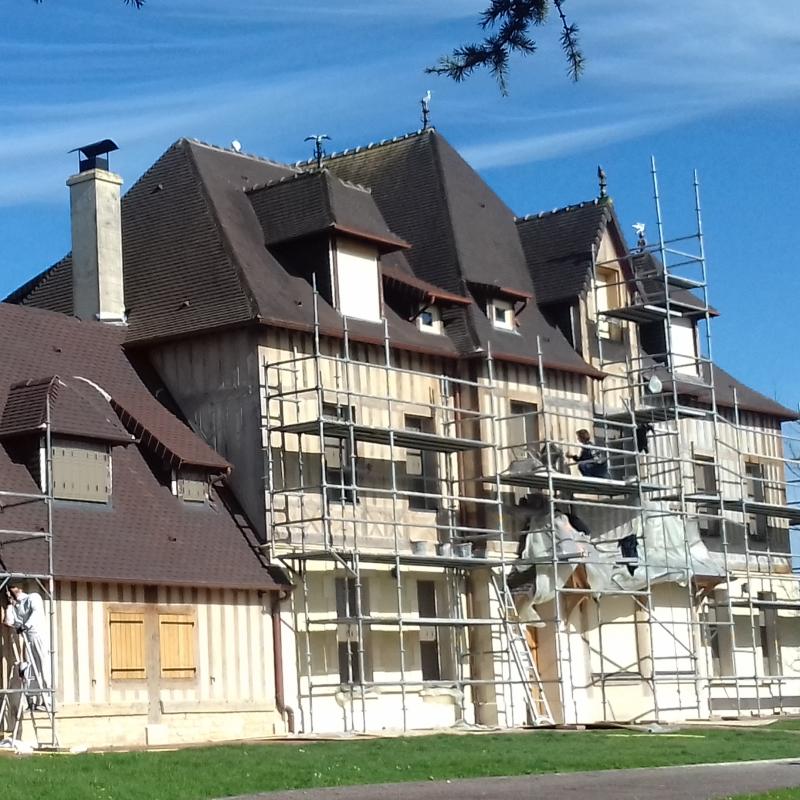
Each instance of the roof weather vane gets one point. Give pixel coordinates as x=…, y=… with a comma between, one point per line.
x=426, y=110
x=601, y=176
x=319, y=152
x=641, y=239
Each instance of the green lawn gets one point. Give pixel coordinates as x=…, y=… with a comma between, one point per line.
x=778, y=794
x=196, y=774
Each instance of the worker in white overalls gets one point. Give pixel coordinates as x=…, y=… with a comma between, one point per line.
x=26, y=614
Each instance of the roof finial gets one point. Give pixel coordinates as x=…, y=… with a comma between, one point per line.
x=426, y=110
x=319, y=152
x=601, y=176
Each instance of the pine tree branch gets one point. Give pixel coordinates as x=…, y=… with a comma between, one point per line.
x=511, y=21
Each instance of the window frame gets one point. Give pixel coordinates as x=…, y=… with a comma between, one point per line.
x=701, y=463
x=609, y=329
x=340, y=483
x=757, y=525
x=508, y=322
x=435, y=325
x=349, y=667
x=427, y=481
x=430, y=660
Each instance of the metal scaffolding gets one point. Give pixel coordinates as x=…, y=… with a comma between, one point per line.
x=27, y=694
x=385, y=466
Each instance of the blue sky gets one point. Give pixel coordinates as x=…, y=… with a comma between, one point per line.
x=713, y=85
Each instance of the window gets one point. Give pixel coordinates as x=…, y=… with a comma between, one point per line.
x=768, y=627
x=705, y=483
x=126, y=646
x=428, y=636
x=756, y=523
x=177, y=646
x=347, y=632
x=684, y=346
x=716, y=622
x=522, y=427
x=192, y=485
x=81, y=471
x=429, y=320
x=339, y=456
x=357, y=280
x=612, y=637
x=501, y=314
x=608, y=284
x=421, y=469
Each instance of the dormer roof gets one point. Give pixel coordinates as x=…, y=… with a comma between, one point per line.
x=75, y=408
x=309, y=203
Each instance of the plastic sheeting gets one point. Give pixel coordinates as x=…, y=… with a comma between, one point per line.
x=668, y=549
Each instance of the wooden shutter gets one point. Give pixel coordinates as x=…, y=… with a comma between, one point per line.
x=126, y=646
x=177, y=645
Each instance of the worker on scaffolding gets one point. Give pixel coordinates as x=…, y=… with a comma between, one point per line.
x=592, y=461
x=26, y=614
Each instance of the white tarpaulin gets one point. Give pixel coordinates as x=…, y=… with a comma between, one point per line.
x=660, y=547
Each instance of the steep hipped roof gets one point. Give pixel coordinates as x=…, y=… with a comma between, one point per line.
x=144, y=534
x=462, y=235
x=195, y=259
x=558, y=248
x=314, y=202
x=75, y=408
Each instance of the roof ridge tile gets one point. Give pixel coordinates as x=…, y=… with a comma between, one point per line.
x=241, y=153
x=360, y=148
x=562, y=210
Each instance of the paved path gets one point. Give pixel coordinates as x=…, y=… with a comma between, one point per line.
x=666, y=783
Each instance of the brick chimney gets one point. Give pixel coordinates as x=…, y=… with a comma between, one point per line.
x=94, y=194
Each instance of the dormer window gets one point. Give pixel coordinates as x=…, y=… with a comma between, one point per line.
x=501, y=314
x=81, y=470
x=191, y=485
x=429, y=320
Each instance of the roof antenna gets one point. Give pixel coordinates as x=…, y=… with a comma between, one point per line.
x=319, y=152
x=426, y=110
x=601, y=176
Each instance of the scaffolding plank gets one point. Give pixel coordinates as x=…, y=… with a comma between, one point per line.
x=646, y=414
x=575, y=483
x=409, y=559
x=789, y=512
x=415, y=440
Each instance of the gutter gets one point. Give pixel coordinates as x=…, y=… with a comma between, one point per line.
x=286, y=712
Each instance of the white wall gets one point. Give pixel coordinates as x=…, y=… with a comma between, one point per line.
x=358, y=288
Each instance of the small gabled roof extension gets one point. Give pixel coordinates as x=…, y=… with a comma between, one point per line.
x=144, y=534
x=315, y=202
x=75, y=407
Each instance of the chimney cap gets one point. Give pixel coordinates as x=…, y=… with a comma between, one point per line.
x=92, y=153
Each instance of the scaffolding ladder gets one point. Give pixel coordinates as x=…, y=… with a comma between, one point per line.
x=521, y=657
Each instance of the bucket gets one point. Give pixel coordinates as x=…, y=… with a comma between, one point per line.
x=444, y=549
x=462, y=550
x=420, y=548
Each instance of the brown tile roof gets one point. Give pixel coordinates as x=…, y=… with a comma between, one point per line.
x=76, y=408
x=309, y=203
x=558, y=248
x=145, y=534
x=461, y=234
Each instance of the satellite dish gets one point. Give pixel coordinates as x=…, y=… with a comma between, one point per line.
x=236, y=146
x=654, y=385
